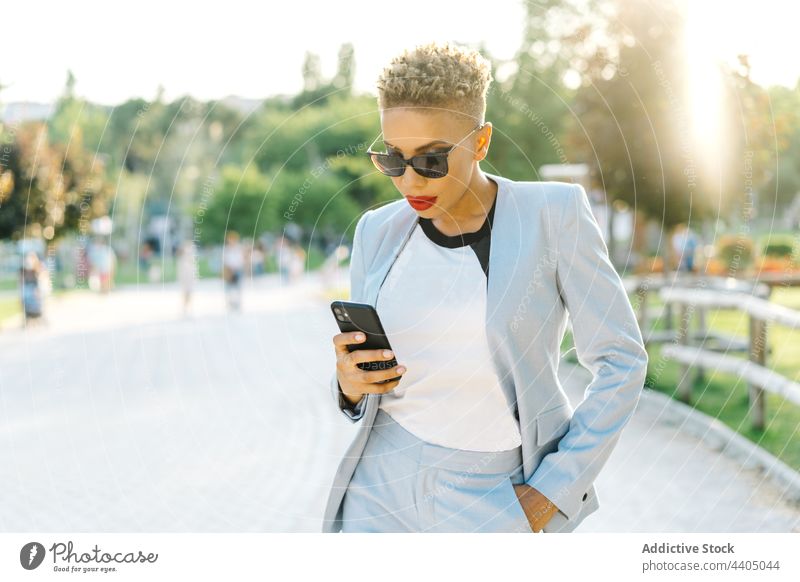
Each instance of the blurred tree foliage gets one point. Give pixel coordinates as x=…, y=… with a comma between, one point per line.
x=595, y=81
x=635, y=128
x=49, y=188
x=766, y=138
x=528, y=104
x=784, y=184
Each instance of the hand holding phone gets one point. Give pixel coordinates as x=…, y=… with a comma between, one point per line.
x=362, y=367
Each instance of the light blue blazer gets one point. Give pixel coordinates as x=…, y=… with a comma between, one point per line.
x=548, y=259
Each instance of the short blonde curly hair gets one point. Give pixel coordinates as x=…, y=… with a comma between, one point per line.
x=439, y=75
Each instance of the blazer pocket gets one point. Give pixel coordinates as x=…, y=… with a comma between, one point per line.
x=552, y=424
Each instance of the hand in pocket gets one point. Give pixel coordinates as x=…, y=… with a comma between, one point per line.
x=538, y=508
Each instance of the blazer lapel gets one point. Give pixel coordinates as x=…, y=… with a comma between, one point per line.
x=504, y=257
x=503, y=254
x=406, y=223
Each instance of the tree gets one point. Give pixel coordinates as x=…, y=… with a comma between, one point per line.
x=312, y=72
x=317, y=90
x=634, y=112
x=764, y=127
x=527, y=102
x=238, y=203
x=74, y=118
x=784, y=184
x=48, y=189
x=346, y=69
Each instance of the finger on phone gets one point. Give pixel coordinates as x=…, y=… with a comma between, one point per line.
x=342, y=340
x=373, y=376
x=361, y=356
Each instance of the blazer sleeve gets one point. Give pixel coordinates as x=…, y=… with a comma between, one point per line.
x=357, y=274
x=608, y=343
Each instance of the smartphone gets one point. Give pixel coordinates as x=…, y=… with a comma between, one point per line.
x=362, y=317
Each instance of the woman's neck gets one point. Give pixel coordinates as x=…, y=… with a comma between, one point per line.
x=469, y=213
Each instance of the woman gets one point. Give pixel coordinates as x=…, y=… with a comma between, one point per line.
x=233, y=270
x=472, y=274
x=187, y=271
x=30, y=285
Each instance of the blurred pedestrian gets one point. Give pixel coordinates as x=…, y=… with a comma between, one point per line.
x=297, y=265
x=233, y=270
x=145, y=256
x=31, y=286
x=684, y=244
x=283, y=255
x=257, y=257
x=187, y=261
x=102, y=266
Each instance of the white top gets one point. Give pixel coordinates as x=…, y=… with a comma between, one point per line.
x=432, y=306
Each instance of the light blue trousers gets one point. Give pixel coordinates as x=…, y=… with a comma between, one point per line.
x=405, y=484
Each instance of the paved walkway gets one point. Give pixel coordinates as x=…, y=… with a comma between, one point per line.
x=123, y=415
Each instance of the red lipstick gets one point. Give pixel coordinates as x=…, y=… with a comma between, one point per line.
x=421, y=202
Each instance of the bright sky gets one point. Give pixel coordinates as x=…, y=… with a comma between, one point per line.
x=766, y=30
x=256, y=49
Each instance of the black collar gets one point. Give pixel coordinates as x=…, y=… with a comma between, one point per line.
x=458, y=240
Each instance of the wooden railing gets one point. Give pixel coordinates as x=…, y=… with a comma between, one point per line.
x=701, y=348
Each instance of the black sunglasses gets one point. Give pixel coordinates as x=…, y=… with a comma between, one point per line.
x=429, y=165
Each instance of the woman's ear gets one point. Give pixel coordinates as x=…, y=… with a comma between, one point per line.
x=483, y=145
x=481, y=153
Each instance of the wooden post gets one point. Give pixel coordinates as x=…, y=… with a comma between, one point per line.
x=758, y=355
x=685, y=380
x=702, y=333
x=641, y=291
x=667, y=313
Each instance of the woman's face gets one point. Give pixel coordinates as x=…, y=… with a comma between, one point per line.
x=411, y=132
